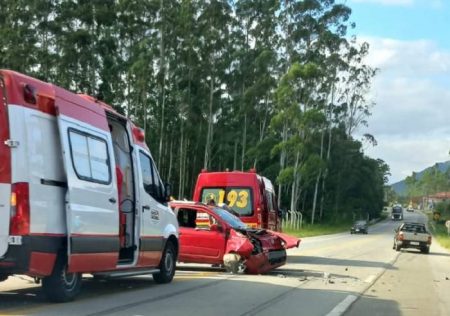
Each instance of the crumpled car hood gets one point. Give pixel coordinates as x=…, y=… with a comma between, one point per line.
x=289, y=241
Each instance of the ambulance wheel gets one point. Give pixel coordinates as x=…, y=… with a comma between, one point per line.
x=167, y=265
x=61, y=286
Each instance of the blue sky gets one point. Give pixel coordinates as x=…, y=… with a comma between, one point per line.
x=410, y=45
x=406, y=20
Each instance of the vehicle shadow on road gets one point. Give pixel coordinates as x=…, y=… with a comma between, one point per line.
x=338, y=262
x=440, y=254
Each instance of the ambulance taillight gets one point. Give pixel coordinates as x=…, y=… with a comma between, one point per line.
x=20, y=209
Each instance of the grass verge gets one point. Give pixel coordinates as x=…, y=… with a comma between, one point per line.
x=440, y=233
x=309, y=230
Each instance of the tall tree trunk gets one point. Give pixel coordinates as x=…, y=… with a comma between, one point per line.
x=316, y=186
x=325, y=173
x=282, y=161
x=169, y=173
x=295, y=183
x=235, y=155
x=163, y=74
x=263, y=124
x=210, y=125
x=329, y=114
x=244, y=140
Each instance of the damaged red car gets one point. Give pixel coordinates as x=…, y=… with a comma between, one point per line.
x=212, y=235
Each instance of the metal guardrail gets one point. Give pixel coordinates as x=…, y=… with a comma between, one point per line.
x=292, y=220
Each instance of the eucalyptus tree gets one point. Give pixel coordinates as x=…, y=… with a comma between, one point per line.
x=17, y=36
x=355, y=95
x=257, y=68
x=213, y=24
x=297, y=117
x=45, y=28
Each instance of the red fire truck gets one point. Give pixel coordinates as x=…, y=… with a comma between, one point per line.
x=248, y=194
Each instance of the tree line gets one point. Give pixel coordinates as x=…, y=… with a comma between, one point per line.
x=280, y=86
x=432, y=181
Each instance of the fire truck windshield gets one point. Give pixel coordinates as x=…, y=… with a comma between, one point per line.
x=240, y=199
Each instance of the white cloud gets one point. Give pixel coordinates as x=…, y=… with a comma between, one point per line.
x=411, y=119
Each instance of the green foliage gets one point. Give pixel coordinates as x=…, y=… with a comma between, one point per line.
x=275, y=85
x=432, y=181
x=439, y=231
x=444, y=209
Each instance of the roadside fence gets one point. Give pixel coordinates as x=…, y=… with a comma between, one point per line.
x=292, y=220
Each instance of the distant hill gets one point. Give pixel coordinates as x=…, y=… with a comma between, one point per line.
x=400, y=187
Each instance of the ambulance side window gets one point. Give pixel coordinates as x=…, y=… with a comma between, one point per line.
x=89, y=157
x=152, y=183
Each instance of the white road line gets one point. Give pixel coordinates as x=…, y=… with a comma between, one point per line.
x=370, y=279
x=340, y=308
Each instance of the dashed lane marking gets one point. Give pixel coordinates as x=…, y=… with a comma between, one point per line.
x=340, y=308
x=370, y=278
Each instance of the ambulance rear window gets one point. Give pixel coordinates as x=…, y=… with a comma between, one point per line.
x=90, y=157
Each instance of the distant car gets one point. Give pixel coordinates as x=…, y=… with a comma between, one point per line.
x=212, y=235
x=359, y=227
x=410, y=209
x=412, y=235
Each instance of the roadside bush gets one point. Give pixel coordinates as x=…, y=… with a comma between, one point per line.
x=444, y=209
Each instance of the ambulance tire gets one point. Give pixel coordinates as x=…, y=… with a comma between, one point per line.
x=167, y=266
x=61, y=286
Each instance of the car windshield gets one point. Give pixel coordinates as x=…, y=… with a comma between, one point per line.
x=414, y=228
x=360, y=223
x=232, y=220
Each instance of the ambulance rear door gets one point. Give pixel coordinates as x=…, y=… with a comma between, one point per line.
x=5, y=171
x=92, y=215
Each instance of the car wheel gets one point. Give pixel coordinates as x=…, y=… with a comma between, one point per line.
x=61, y=286
x=397, y=247
x=167, y=266
x=232, y=262
x=425, y=250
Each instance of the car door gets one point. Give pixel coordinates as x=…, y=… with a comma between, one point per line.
x=92, y=216
x=202, y=245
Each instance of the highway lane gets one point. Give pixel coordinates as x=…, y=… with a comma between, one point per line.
x=418, y=284
x=323, y=277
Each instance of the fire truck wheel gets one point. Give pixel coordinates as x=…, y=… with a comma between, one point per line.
x=167, y=265
x=61, y=286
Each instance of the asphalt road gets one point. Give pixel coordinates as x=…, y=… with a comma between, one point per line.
x=331, y=275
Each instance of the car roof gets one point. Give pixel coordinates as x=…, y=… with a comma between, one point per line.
x=413, y=223
x=187, y=204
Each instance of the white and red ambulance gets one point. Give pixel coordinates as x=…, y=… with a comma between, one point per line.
x=79, y=191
